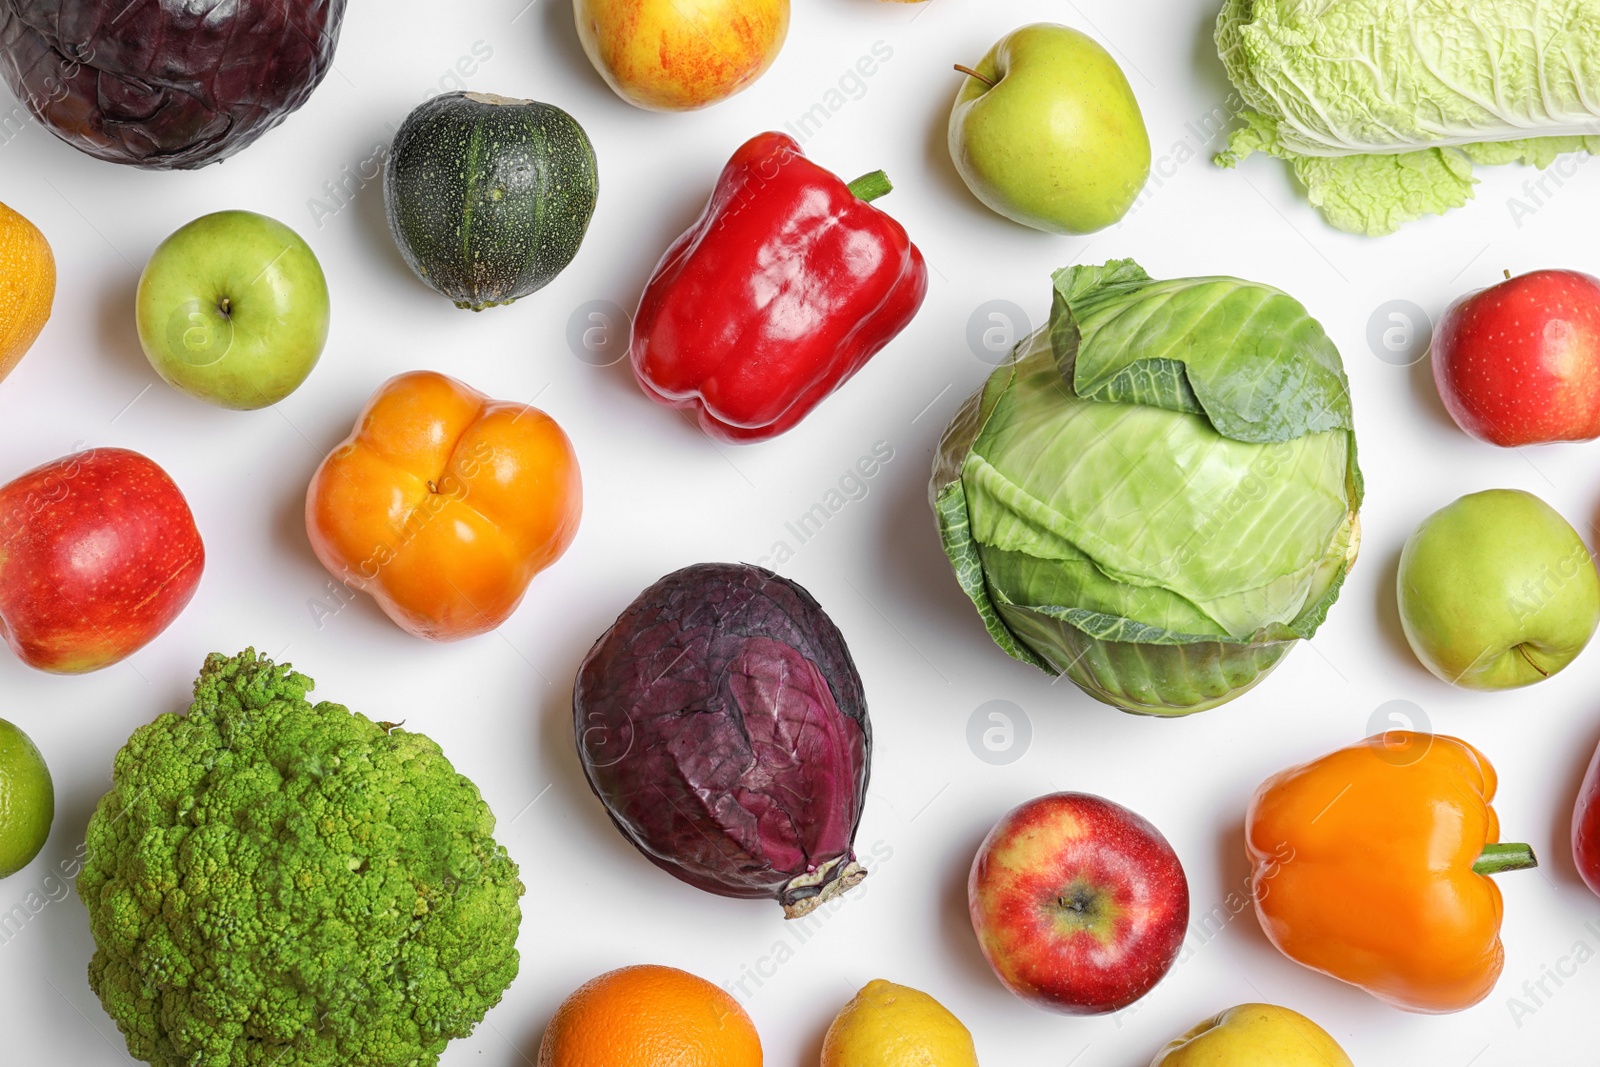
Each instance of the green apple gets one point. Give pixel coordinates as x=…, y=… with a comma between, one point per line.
x=1047, y=132
x=1254, y=1035
x=233, y=309
x=1497, y=591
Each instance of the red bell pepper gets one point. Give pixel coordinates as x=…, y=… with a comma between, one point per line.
x=788, y=283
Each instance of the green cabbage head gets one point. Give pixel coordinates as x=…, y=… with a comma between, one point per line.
x=1383, y=106
x=1158, y=495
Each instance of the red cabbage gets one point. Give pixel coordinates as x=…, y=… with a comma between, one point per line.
x=722, y=723
x=165, y=84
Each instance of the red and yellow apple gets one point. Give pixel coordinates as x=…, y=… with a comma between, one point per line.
x=1518, y=363
x=672, y=55
x=98, y=555
x=1080, y=905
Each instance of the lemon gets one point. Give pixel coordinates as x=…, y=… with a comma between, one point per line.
x=27, y=800
x=889, y=1025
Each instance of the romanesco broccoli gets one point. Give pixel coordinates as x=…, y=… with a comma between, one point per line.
x=276, y=884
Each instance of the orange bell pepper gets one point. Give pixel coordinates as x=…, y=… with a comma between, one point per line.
x=443, y=504
x=1370, y=863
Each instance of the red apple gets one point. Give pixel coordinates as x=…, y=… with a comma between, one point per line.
x=98, y=554
x=1586, y=827
x=1079, y=904
x=1519, y=363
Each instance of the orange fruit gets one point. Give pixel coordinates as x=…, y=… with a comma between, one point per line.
x=650, y=1017
x=27, y=286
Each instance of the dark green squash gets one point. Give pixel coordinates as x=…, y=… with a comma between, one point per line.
x=489, y=197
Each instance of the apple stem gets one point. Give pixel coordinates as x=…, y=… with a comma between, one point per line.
x=1522, y=650
x=869, y=187
x=225, y=305
x=1507, y=273
x=1499, y=858
x=969, y=72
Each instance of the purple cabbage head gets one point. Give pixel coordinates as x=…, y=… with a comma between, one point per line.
x=165, y=84
x=722, y=723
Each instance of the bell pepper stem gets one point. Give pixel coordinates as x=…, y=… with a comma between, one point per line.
x=869, y=187
x=1499, y=858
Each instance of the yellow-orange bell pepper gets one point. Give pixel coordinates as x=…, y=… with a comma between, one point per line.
x=444, y=504
x=1370, y=865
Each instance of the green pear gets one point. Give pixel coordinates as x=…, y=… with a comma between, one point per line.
x=1497, y=591
x=1047, y=132
x=1254, y=1035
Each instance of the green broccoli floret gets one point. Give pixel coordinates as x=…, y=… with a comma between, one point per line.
x=276, y=884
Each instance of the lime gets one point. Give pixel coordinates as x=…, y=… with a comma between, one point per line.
x=27, y=800
x=889, y=1025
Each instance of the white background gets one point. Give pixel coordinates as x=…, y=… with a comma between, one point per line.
x=660, y=496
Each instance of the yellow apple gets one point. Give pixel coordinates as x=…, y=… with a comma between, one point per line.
x=679, y=55
x=1254, y=1035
